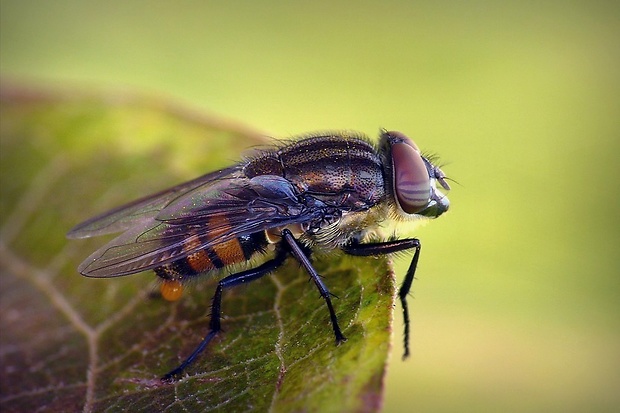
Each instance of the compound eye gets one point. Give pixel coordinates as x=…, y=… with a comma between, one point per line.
x=412, y=184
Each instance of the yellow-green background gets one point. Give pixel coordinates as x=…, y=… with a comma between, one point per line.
x=516, y=306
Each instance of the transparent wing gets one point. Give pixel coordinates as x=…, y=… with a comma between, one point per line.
x=141, y=211
x=199, y=218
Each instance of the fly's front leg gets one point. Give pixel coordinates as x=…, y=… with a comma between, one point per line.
x=299, y=254
x=216, y=306
x=382, y=248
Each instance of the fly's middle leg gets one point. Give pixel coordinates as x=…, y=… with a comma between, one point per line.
x=303, y=259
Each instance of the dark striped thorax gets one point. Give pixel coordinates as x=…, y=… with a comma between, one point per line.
x=344, y=171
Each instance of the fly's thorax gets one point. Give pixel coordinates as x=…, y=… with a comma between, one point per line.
x=348, y=170
x=343, y=171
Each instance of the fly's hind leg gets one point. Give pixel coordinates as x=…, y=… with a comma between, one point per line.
x=216, y=306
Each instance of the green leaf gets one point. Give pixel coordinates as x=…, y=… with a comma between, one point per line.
x=70, y=343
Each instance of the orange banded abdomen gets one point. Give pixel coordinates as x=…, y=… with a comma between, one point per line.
x=233, y=251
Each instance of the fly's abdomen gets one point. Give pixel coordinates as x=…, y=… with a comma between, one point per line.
x=213, y=256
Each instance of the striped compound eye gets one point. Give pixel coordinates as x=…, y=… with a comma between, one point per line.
x=412, y=183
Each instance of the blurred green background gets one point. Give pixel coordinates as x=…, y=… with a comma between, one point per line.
x=517, y=303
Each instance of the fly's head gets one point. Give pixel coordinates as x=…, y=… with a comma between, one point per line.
x=414, y=179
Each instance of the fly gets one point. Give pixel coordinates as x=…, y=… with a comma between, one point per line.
x=321, y=192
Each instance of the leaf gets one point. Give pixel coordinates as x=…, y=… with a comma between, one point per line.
x=70, y=343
